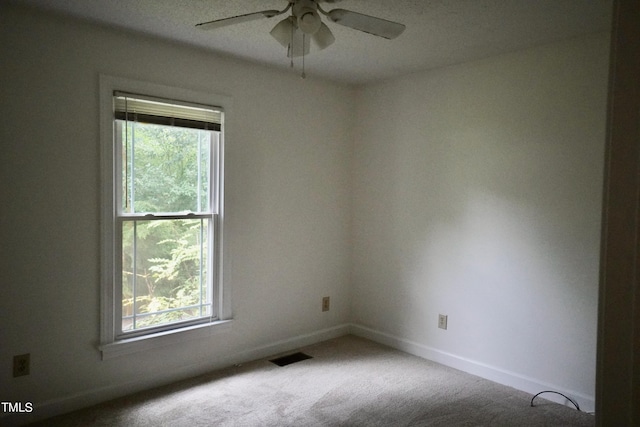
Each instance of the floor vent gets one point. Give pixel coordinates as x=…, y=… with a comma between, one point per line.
x=291, y=358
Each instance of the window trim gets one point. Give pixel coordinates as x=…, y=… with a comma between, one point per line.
x=110, y=344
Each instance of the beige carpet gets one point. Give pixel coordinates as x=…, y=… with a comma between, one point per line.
x=349, y=381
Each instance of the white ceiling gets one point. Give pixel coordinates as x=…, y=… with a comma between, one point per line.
x=439, y=32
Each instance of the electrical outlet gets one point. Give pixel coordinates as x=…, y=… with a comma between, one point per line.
x=442, y=321
x=325, y=304
x=21, y=364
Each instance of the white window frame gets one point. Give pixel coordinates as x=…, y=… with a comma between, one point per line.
x=111, y=344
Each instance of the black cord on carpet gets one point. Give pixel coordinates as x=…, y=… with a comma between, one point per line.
x=556, y=392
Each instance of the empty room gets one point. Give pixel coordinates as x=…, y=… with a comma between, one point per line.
x=408, y=194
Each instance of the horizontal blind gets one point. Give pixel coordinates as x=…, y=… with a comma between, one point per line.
x=140, y=108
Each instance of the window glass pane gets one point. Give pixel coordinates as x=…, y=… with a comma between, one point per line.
x=165, y=168
x=164, y=272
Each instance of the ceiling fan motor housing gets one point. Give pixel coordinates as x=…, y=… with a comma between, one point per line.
x=306, y=12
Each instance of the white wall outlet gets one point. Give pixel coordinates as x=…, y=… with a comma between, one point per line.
x=442, y=321
x=326, y=304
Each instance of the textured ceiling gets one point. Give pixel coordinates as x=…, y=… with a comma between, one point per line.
x=439, y=32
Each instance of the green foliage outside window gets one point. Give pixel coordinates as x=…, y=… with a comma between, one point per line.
x=164, y=265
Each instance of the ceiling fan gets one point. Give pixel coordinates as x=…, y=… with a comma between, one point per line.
x=296, y=31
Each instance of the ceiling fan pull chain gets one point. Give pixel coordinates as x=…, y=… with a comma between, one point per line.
x=304, y=75
x=290, y=53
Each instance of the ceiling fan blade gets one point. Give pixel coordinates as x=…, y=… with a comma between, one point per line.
x=323, y=38
x=368, y=24
x=218, y=23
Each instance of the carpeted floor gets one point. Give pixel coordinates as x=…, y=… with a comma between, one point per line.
x=349, y=381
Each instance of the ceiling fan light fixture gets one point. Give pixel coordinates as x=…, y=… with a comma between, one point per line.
x=309, y=21
x=300, y=44
x=323, y=38
x=306, y=13
x=283, y=30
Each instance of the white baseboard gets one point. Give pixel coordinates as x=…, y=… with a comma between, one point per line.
x=492, y=373
x=62, y=405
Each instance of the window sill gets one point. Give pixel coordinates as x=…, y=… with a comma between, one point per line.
x=162, y=339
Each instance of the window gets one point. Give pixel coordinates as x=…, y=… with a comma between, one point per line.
x=166, y=212
x=163, y=216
